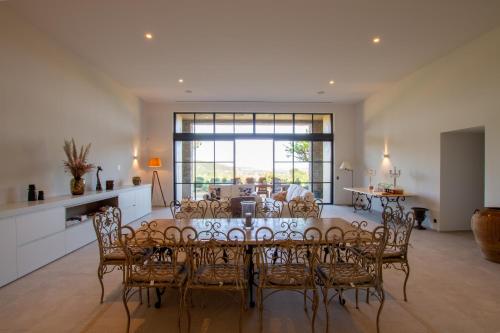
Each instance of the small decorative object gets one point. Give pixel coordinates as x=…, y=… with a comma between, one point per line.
x=419, y=216
x=40, y=195
x=31, y=192
x=485, y=224
x=395, y=174
x=136, y=180
x=77, y=164
x=371, y=173
x=247, y=207
x=98, y=187
x=110, y=184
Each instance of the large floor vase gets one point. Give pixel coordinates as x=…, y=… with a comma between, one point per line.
x=486, y=227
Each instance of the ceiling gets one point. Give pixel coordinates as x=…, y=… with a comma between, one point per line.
x=259, y=50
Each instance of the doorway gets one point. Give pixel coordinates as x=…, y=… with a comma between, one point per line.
x=462, y=177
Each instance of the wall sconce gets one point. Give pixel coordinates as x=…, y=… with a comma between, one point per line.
x=386, y=155
x=135, y=157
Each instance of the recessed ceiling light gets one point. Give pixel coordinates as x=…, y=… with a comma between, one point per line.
x=376, y=40
x=148, y=35
x=188, y=91
x=321, y=92
x=331, y=82
x=181, y=80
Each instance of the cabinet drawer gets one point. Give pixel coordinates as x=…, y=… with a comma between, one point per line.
x=8, y=251
x=126, y=199
x=79, y=235
x=38, y=253
x=38, y=225
x=128, y=215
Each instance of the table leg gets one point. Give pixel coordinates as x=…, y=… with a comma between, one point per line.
x=159, y=293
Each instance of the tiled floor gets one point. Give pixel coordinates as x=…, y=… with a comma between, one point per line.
x=451, y=289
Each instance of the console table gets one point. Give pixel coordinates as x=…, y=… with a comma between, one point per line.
x=362, y=198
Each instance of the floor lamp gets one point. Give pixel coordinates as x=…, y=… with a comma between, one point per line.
x=155, y=162
x=346, y=166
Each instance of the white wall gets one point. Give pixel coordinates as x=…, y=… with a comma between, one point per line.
x=158, y=131
x=47, y=95
x=457, y=91
x=462, y=177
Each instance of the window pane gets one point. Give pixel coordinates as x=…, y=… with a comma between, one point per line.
x=303, y=123
x=243, y=123
x=184, y=123
x=283, y=151
x=224, y=173
x=224, y=151
x=323, y=191
x=204, y=173
x=204, y=123
x=204, y=151
x=322, y=151
x=302, y=172
x=264, y=123
x=302, y=151
x=201, y=191
x=184, y=173
x=283, y=123
x=322, y=123
x=184, y=191
x=322, y=172
x=254, y=159
x=184, y=151
x=224, y=123
x=283, y=173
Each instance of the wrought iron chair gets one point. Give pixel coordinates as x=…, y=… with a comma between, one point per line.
x=188, y=209
x=268, y=209
x=339, y=269
x=221, y=209
x=399, y=227
x=161, y=265
x=284, y=260
x=107, y=226
x=217, y=261
x=305, y=208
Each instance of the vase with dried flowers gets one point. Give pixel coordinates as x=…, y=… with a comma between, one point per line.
x=77, y=165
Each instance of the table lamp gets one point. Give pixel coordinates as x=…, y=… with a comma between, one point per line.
x=155, y=162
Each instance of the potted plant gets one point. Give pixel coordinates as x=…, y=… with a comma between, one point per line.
x=77, y=165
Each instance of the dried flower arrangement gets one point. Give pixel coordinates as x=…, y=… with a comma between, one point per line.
x=77, y=161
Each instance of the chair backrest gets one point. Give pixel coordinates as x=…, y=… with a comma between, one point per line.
x=214, y=248
x=268, y=209
x=399, y=225
x=340, y=246
x=221, y=209
x=188, y=209
x=305, y=208
x=107, y=226
x=150, y=249
x=279, y=252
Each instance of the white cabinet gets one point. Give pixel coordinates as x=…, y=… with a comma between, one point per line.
x=134, y=204
x=40, y=252
x=79, y=235
x=41, y=224
x=143, y=202
x=8, y=251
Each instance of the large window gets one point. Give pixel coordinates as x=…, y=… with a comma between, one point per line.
x=234, y=148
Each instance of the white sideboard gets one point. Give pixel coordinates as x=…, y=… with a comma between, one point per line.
x=32, y=234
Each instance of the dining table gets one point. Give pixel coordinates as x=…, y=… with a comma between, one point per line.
x=298, y=225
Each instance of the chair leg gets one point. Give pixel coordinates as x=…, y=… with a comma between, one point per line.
x=305, y=300
x=315, y=308
x=187, y=297
x=357, y=292
x=382, y=299
x=124, y=298
x=242, y=307
x=180, y=309
x=407, y=272
x=260, y=301
x=367, y=295
x=100, y=275
x=325, y=302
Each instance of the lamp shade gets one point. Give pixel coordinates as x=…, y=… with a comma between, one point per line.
x=154, y=162
x=345, y=165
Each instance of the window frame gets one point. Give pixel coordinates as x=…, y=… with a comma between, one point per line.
x=291, y=137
